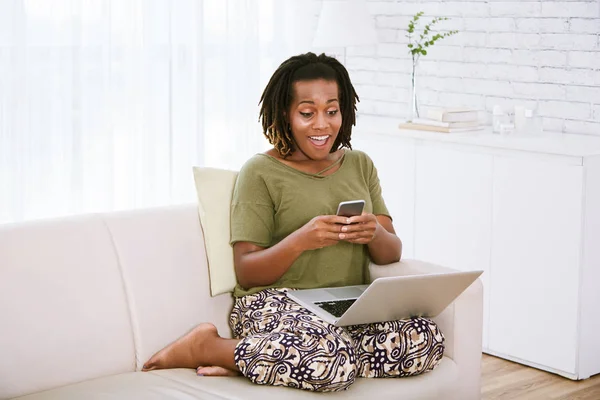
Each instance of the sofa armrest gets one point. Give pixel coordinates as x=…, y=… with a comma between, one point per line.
x=461, y=322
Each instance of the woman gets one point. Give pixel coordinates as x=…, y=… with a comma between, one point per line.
x=285, y=237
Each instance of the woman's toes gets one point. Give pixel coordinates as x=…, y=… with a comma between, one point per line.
x=150, y=364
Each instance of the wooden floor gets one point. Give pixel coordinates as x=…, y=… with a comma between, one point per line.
x=505, y=380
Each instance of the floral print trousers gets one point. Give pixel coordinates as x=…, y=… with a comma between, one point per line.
x=283, y=344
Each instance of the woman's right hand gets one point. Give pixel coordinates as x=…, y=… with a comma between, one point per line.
x=321, y=231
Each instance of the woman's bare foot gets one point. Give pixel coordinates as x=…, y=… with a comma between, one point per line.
x=215, y=371
x=187, y=351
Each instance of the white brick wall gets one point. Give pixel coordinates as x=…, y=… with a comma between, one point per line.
x=541, y=54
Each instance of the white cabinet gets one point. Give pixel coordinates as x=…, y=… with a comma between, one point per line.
x=397, y=182
x=526, y=211
x=536, y=249
x=453, y=189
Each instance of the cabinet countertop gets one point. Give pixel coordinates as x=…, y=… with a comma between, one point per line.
x=566, y=144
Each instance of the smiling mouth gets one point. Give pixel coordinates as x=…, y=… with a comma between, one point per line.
x=319, y=140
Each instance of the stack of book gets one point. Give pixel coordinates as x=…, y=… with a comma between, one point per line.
x=446, y=120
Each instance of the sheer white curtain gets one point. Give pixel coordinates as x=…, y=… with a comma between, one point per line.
x=106, y=104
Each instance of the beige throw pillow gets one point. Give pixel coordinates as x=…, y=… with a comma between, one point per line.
x=215, y=189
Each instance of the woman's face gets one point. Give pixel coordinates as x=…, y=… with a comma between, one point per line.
x=315, y=118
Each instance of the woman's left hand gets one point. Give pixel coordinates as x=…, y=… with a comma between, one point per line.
x=361, y=229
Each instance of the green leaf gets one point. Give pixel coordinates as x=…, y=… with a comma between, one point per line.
x=425, y=40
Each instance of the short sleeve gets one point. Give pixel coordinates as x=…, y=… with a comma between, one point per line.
x=252, y=211
x=379, y=207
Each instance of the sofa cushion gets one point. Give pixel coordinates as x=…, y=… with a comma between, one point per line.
x=162, y=256
x=214, y=188
x=184, y=384
x=63, y=310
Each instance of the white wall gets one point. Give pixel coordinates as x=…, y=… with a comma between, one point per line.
x=542, y=54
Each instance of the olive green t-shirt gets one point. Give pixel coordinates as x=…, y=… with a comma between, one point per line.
x=272, y=200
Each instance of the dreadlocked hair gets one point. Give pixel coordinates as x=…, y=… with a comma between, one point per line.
x=278, y=95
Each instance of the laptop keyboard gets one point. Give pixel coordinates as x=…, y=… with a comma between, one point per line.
x=336, y=307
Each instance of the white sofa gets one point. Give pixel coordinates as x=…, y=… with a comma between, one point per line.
x=85, y=300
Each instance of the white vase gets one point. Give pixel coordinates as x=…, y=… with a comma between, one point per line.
x=414, y=102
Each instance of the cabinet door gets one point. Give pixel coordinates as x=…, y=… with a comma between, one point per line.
x=535, y=261
x=394, y=159
x=453, y=211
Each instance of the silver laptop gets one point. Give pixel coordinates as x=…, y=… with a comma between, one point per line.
x=386, y=299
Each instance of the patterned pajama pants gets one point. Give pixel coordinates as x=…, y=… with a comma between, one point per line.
x=283, y=344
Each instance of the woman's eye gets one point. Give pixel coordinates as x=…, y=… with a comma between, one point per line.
x=332, y=112
x=305, y=115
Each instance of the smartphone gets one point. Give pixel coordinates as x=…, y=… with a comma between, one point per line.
x=350, y=208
